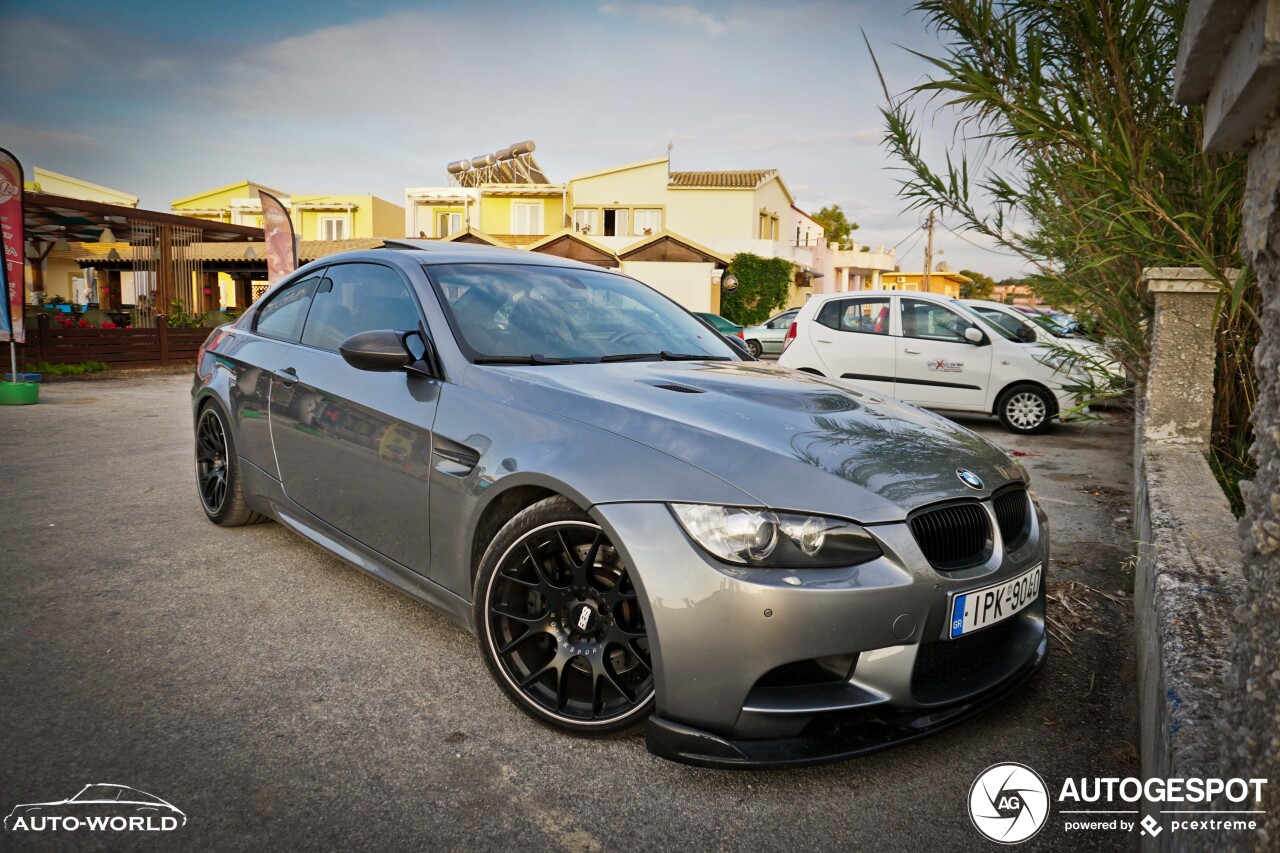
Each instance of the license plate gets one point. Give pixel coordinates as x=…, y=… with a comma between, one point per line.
x=978, y=608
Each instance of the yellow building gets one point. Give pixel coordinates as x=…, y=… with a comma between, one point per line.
x=315, y=216
x=319, y=217
x=702, y=219
x=54, y=268
x=53, y=183
x=944, y=282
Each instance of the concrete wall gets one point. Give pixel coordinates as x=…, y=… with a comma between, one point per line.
x=687, y=283
x=1229, y=61
x=1187, y=577
x=642, y=185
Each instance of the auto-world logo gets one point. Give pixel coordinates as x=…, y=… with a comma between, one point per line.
x=1009, y=803
x=98, y=808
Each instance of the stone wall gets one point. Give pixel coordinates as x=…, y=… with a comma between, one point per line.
x=1187, y=577
x=1229, y=61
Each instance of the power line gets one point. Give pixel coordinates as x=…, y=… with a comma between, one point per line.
x=914, y=243
x=1006, y=253
x=915, y=231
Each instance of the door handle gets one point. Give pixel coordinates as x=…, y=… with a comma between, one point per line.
x=911, y=351
x=288, y=376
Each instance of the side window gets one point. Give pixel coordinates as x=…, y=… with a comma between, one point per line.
x=865, y=316
x=932, y=322
x=356, y=298
x=283, y=316
x=829, y=314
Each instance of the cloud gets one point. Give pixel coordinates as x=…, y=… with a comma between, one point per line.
x=381, y=101
x=808, y=140
x=680, y=16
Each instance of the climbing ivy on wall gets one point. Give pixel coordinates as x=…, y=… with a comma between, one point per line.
x=763, y=287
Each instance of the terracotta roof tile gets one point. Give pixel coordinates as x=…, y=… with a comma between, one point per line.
x=740, y=179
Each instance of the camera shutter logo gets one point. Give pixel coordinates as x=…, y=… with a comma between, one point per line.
x=1008, y=803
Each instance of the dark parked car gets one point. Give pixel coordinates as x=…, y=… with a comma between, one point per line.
x=726, y=327
x=635, y=518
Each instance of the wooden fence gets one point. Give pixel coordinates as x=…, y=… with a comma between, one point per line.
x=120, y=348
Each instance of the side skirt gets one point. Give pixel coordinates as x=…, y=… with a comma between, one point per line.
x=268, y=497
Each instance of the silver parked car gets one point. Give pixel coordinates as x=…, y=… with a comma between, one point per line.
x=770, y=336
x=635, y=519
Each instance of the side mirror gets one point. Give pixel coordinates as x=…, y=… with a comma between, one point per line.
x=974, y=335
x=381, y=350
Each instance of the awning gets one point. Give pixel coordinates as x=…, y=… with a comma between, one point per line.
x=52, y=218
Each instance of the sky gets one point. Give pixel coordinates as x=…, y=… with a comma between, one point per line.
x=166, y=99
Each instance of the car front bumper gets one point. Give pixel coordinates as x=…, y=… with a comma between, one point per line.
x=732, y=647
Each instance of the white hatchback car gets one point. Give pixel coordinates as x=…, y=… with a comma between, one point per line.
x=930, y=350
x=1093, y=357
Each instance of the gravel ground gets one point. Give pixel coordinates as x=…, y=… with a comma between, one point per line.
x=283, y=700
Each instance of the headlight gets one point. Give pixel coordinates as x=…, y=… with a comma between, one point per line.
x=767, y=539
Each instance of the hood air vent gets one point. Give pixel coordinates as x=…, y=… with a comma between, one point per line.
x=683, y=389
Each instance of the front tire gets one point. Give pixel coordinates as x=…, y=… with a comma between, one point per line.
x=1026, y=409
x=756, y=349
x=559, y=622
x=218, y=480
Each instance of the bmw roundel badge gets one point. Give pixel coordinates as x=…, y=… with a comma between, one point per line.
x=969, y=478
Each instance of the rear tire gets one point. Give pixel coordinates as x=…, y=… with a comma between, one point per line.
x=218, y=480
x=1026, y=409
x=756, y=349
x=559, y=622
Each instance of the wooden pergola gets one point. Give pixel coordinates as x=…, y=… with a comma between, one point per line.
x=48, y=220
x=245, y=263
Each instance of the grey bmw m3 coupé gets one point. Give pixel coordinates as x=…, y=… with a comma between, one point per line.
x=637, y=519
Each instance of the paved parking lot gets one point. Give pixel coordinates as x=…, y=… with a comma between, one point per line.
x=283, y=700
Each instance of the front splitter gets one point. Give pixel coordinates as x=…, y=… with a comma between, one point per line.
x=838, y=739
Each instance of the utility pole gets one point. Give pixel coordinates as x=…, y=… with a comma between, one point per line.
x=928, y=258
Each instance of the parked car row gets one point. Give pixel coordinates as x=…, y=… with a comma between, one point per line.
x=635, y=518
x=933, y=351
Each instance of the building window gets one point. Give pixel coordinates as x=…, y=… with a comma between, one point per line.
x=526, y=217
x=648, y=221
x=333, y=228
x=585, y=220
x=448, y=224
x=617, y=222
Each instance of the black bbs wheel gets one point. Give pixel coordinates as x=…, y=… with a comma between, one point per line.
x=218, y=473
x=559, y=622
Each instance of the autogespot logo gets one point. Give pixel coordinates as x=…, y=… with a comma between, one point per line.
x=1008, y=803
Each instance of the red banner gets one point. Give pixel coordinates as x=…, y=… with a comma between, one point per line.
x=282, y=244
x=12, y=271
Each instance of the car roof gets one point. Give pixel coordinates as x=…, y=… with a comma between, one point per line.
x=850, y=294
x=989, y=302
x=429, y=252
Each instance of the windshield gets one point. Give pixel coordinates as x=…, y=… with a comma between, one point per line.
x=1008, y=325
x=538, y=314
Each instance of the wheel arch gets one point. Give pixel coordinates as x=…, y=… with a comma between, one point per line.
x=509, y=502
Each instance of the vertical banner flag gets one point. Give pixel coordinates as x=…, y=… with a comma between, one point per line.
x=281, y=242
x=12, y=272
